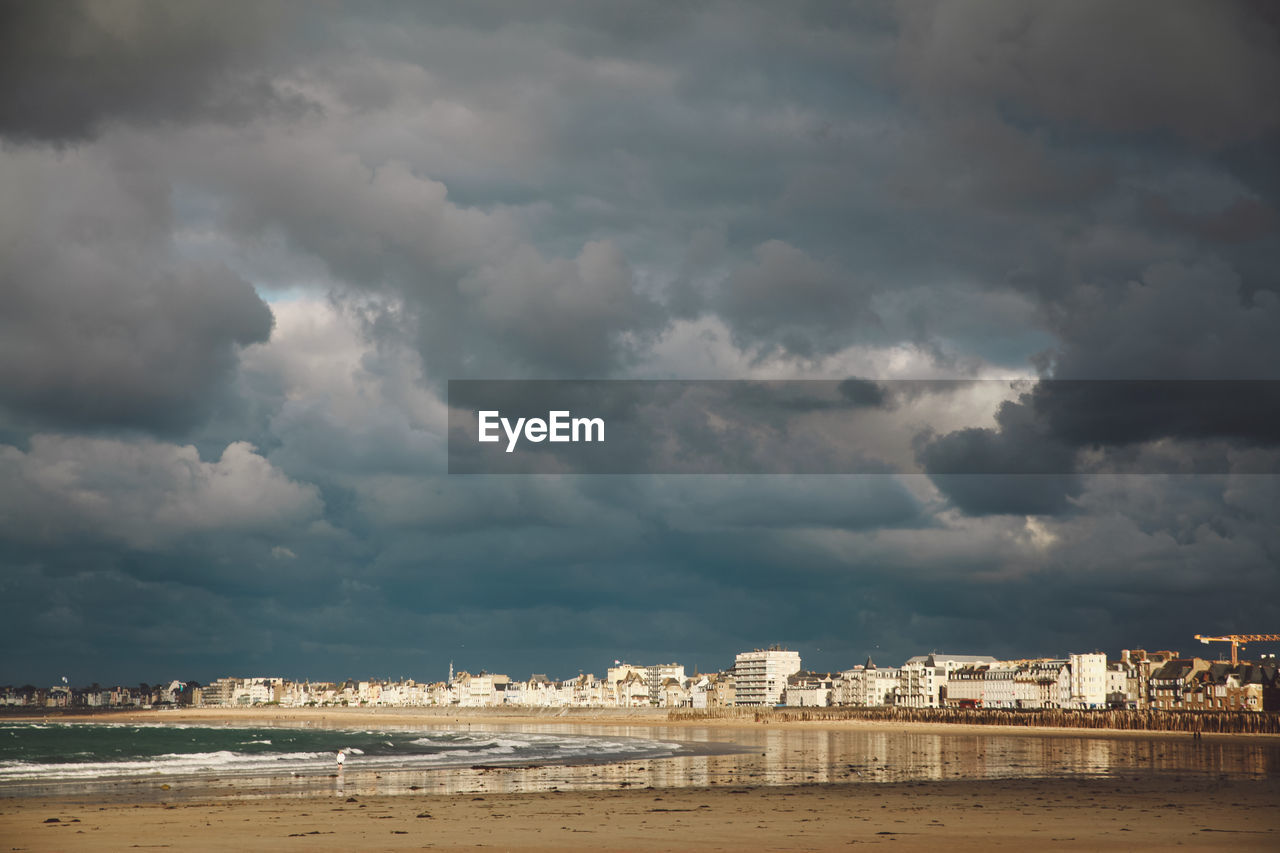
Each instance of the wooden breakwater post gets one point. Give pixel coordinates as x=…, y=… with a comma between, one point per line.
x=1213, y=722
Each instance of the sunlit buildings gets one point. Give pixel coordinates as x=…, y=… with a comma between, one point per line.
x=1088, y=680
x=761, y=675
x=923, y=677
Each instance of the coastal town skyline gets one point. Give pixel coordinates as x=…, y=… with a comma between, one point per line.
x=1138, y=679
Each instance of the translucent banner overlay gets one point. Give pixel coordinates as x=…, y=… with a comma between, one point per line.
x=859, y=426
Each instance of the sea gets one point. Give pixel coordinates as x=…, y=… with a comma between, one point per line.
x=41, y=752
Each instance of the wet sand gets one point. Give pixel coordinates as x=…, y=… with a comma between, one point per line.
x=1085, y=814
x=795, y=786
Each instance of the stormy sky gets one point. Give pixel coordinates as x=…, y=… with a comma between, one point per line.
x=244, y=246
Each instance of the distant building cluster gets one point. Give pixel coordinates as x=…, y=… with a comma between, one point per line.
x=1163, y=681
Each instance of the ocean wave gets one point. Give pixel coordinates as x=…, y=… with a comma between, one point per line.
x=253, y=754
x=161, y=765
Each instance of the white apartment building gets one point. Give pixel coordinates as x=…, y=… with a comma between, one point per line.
x=1088, y=680
x=264, y=690
x=970, y=686
x=243, y=691
x=810, y=690
x=631, y=690
x=675, y=694
x=220, y=692
x=619, y=672
x=1050, y=684
x=591, y=692
x=761, y=675
x=1118, y=694
x=539, y=692
x=1080, y=681
x=480, y=691
x=654, y=678
x=866, y=686
x=657, y=676
x=922, y=679
x=711, y=691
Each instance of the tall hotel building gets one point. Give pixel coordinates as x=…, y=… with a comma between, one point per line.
x=761, y=676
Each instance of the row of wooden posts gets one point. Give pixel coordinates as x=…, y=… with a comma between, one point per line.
x=1245, y=722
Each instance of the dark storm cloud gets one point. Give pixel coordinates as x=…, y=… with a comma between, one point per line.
x=845, y=602
x=1206, y=72
x=480, y=296
x=1242, y=221
x=1120, y=412
x=103, y=323
x=1170, y=320
x=71, y=67
x=1189, y=321
x=1035, y=467
x=1030, y=464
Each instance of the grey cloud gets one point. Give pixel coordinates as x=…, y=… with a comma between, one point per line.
x=104, y=324
x=146, y=495
x=776, y=503
x=1125, y=412
x=1243, y=220
x=1185, y=321
x=630, y=505
x=565, y=314
x=1205, y=71
x=72, y=67
x=1180, y=321
x=1032, y=461
x=480, y=292
x=497, y=190
x=457, y=586
x=784, y=298
x=1036, y=467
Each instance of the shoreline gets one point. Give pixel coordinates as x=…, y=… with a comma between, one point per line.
x=591, y=717
x=704, y=753
x=796, y=785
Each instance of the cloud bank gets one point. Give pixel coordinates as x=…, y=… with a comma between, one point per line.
x=245, y=246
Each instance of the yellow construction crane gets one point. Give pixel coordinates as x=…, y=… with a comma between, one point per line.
x=1238, y=640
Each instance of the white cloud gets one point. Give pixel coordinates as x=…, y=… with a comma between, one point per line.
x=146, y=494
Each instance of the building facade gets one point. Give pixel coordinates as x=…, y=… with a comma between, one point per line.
x=760, y=676
x=922, y=680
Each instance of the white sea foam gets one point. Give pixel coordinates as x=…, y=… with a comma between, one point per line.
x=161, y=765
x=440, y=749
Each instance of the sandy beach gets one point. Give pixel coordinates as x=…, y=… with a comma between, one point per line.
x=1076, y=814
x=811, y=786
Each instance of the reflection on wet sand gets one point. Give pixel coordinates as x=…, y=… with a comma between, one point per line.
x=770, y=756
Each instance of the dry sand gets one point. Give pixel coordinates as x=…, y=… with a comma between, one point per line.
x=1155, y=811
x=956, y=816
